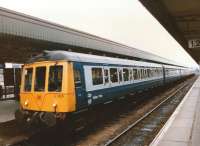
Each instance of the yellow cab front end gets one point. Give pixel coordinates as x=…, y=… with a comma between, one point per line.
x=47, y=89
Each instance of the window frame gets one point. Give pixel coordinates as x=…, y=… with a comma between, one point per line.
x=131, y=75
x=135, y=75
x=24, y=79
x=45, y=79
x=125, y=68
x=77, y=83
x=47, y=76
x=108, y=76
x=120, y=75
x=102, y=74
x=114, y=83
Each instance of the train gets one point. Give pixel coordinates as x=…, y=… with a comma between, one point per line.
x=55, y=84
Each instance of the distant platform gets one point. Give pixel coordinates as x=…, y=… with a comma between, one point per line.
x=7, y=110
x=183, y=127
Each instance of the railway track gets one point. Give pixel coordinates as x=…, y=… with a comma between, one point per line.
x=145, y=125
x=11, y=133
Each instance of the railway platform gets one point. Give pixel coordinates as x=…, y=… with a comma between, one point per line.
x=7, y=110
x=183, y=127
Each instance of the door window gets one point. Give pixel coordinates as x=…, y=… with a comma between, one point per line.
x=28, y=73
x=40, y=75
x=77, y=77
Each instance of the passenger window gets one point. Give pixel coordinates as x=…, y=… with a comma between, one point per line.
x=130, y=74
x=161, y=72
x=158, y=72
x=149, y=73
x=106, y=77
x=28, y=73
x=113, y=75
x=40, y=78
x=135, y=74
x=125, y=74
x=55, y=78
x=139, y=74
x=155, y=73
x=144, y=75
x=120, y=75
x=97, y=76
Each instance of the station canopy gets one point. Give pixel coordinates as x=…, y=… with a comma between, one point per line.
x=182, y=19
x=20, y=25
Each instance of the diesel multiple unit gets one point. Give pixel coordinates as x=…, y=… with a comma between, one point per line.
x=57, y=83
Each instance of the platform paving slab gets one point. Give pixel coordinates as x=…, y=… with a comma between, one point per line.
x=7, y=110
x=183, y=127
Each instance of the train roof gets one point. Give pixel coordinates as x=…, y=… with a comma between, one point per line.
x=88, y=58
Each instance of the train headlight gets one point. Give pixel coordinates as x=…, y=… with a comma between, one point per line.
x=54, y=105
x=26, y=103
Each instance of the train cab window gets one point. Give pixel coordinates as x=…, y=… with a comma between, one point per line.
x=120, y=75
x=77, y=77
x=40, y=75
x=106, y=76
x=55, y=78
x=113, y=75
x=97, y=76
x=28, y=73
x=125, y=74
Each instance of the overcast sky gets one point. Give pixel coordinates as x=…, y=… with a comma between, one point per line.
x=123, y=21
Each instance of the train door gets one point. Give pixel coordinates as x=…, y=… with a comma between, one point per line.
x=81, y=100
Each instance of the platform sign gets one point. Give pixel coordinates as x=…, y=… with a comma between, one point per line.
x=195, y=43
x=13, y=65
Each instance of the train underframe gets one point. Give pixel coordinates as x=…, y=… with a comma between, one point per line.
x=31, y=118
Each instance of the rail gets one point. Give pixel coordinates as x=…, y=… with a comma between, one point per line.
x=131, y=126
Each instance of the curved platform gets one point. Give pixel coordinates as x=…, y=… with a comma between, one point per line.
x=183, y=127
